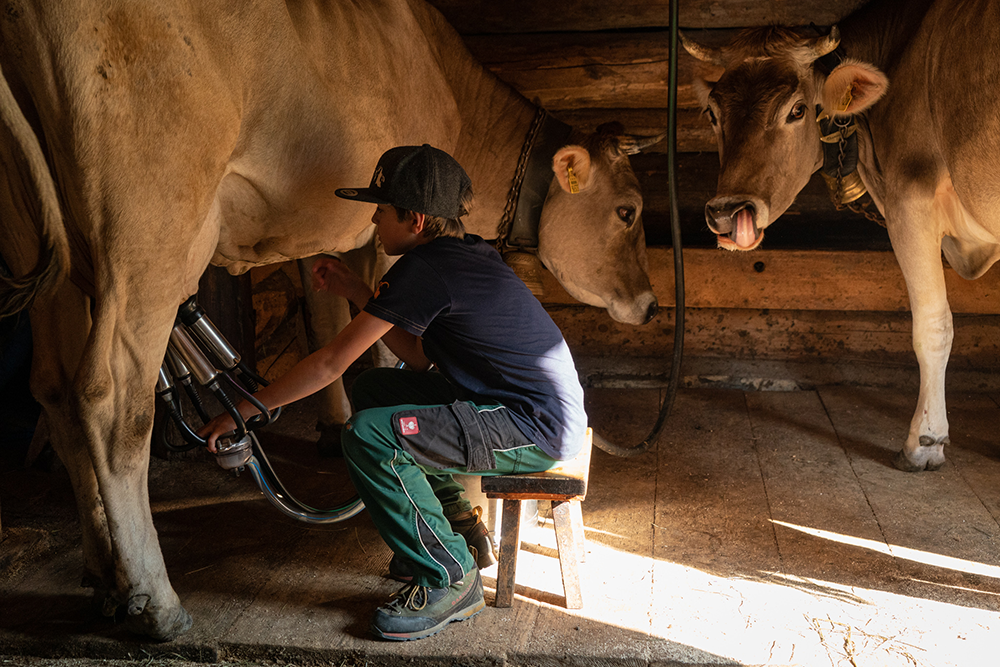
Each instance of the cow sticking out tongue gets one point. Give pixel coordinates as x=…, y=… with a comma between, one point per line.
x=746, y=234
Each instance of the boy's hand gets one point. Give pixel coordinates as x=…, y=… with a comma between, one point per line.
x=224, y=423
x=332, y=275
x=215, y=428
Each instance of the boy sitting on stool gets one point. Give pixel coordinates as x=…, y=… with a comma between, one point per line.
x=507, y=398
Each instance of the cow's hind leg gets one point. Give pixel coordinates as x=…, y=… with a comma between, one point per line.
x=325, y=315
x=59, y=331
x=918, y=251
x=116, y=402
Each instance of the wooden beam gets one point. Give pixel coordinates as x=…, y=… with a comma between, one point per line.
x=582, y=15
x=798, y=280
x=587, y=70
x=843, y=337
x=694, y=134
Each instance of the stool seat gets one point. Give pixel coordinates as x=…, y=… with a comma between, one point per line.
x=565, y=486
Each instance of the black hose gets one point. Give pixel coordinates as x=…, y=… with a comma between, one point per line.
x=249, y=378
x=230, y=407
x=675, y=235
x=195, y=397
x=257, y=421
x=252, y=382
x=190, y=437
x=272, y=488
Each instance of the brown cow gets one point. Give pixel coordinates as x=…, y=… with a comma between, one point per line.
x=922, y=82
x=141, y=141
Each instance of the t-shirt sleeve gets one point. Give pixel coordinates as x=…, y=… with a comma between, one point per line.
x=410, y=295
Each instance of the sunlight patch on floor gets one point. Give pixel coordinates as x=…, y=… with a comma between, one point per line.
x=915, y=555
x=769, y=618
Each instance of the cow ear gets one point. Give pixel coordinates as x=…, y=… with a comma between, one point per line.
x=571, y=165
x=853, y=87
x=702, y=89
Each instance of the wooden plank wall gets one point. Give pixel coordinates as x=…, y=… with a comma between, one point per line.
x=825, y=286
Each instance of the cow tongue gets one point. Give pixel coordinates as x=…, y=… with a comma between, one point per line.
x=745, y=232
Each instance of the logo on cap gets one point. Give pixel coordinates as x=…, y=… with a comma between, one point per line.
x=379, y=177
x=348, y=193
x=408, y=426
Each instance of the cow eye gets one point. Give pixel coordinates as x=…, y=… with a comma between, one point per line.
x=798, y=112
x=627, y=214
x=711, y=116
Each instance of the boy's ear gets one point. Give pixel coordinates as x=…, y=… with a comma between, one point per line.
x=417, y=222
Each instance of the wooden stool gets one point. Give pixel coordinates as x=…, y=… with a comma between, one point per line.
x=565, y=486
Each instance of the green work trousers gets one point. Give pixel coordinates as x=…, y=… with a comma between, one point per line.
x=410, y=500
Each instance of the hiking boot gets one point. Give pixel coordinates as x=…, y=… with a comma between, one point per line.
x=418, y=611
x=477, y=537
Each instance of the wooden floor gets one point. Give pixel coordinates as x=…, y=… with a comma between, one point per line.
x=767, y=528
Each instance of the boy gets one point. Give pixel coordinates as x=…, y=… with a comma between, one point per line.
x=507, y=397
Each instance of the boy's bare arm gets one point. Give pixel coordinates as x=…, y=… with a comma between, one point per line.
x=310, y=375
x=332, y=275
x=409, y=348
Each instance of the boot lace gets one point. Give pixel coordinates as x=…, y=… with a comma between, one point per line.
x=412, y=597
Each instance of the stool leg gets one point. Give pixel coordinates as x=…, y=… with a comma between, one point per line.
x=491, y=518
x=510, y=543
x=566, y=545
x=579, y=536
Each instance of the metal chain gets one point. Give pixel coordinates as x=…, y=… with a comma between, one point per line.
x=507, y=220
x=841, y=146
x=854, y=206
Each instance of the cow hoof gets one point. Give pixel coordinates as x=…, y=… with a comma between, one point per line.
x=902, y=462
x=928, y=456
x=102, y=601
x=159, y=624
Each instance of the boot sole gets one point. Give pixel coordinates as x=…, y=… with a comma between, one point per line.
x=457, y=617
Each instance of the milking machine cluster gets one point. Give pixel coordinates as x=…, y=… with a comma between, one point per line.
x=198, y=354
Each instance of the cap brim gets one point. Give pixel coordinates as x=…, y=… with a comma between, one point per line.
x=360, y=194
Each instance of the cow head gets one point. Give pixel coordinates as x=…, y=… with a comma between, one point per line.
x=590, y=233
x=763, y=109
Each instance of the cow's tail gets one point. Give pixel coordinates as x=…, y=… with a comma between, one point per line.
x=29, y=177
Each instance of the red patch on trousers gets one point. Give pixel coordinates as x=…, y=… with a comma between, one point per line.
x=408, y=425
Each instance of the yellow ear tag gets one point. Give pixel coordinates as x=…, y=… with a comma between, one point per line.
x=846, y=100
x=574, y=185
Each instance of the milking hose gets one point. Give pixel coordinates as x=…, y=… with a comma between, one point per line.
x=675, y=236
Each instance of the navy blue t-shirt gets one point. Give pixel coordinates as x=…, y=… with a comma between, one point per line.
x=488, y=334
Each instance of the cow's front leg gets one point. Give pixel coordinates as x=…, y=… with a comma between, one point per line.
x=918, y=251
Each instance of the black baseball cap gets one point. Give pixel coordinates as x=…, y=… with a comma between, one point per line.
x=422, y=179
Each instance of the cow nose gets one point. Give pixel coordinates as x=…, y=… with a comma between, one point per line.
x=735, y=220
x=720, y=213
x=651, y=312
